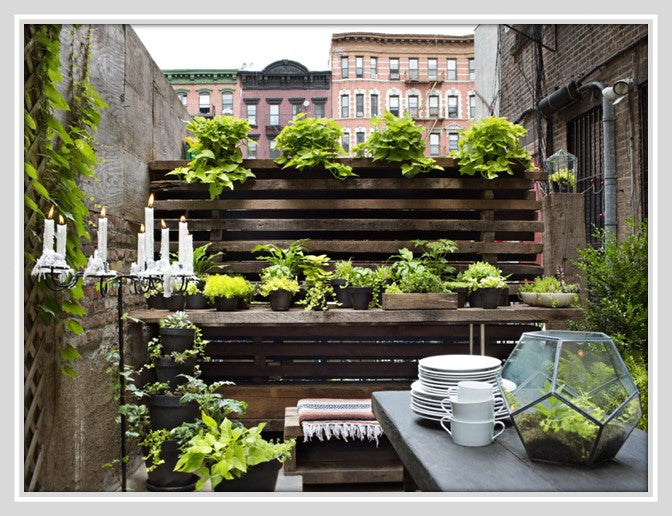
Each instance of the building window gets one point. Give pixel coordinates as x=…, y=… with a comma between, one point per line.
x=451, y=69
x=434, y=144
x=413, y=71
x=252, y=150
x=344, y=67
x=345, y=105
x=272, y=152
x=320, y=110
x=204, y=102
x=183, y=98
x=359, y=137
x=274, y=114
x=296, y=109
x=394, y=105
x=434, y=105
x=452, y=141
x=251, y=114
x=227, y=103
x=452, y=106
x=472, y=69
x=374, y=67
x=472, y=106
x=394, y=68
x=359, y=66
x=413, y=106
x=345, y=142
x=359, y=104
x=432, y=68
x=374, y=104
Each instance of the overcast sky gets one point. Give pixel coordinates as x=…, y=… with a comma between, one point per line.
x=253, y=47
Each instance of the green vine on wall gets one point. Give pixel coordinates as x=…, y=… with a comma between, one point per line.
x=57, y=156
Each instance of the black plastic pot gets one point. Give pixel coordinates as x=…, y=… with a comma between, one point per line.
x=475, y=299
x=175, y=302
x=503, y=299
x=226, y=304
x=167, y=411
x=489, y=297
x=167, y=370
x=341, y=293
x=242, y=304
x=261, y=477
x=462, y=293
x=196, y=301
x=360, y=297
x=177, y=339
x=280, y=300
x=157, y=301
x=163, y=478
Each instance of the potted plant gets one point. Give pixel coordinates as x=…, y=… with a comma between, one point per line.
x=176, y=301
x=492, y=147
x=279, y=289
x=459, y=287
x=342, y=271
x=562, y=181
x=154, y=297
x=548, y=291
x=317, y=283
x=224, y=291
x=489, y=289
x=194, y=297
x=204, y=264
x=360, y=287
x=473, y=275
x=290, y=258
x=233, y=458
x=418, y=289
x=177, y=332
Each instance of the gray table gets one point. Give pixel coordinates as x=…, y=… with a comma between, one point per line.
x=435, y=463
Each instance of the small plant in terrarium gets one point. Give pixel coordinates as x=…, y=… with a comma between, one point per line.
x=562, y=181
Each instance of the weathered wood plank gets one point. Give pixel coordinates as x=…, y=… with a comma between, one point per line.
x=316, y=370
x=444, y=301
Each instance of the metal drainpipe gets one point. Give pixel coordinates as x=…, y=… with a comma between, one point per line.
x=608, y=138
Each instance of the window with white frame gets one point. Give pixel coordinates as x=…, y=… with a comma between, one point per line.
x=320, y=109
x=251, y=114
x=296, y=108
x=373, y=64
x=227, y=103
x=452, y=141
x=204, y=102
x=472, y=69
x=394, y=68
x=452, y=106
x=374, y=104
x=274, y=114
x=345, y=141
x=359, y=104
x=434, y=105
x=360, y=136
x=182, y=95
x=434, y=143
x=272, y=152
x=394, y=105
x=345, y=65
x=359, y=66
x=472, y=106
x=413, y=69
x=413, y=106
x=432, y=68
x=345, y=105
x=451, y=69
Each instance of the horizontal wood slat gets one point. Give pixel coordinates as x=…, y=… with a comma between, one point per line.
x=322, y=369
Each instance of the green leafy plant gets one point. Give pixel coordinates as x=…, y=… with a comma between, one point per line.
x=278, y=283
x=563, y=177
x=477, y=272
x=217, y=156
x=155, y=290
x=193, y=288
x=548, y=284
x=204, y=262
x=452, y=285
x=492, y=282
x=397, y=140
x=434, y=255
x=311, y=143
x=492, y=147
x=343, y=269
x=317, y=282
x=179, y=319
x=223, y=452
x=420, y=281
x=383, y=276
x=636, y=364
x=291, y=257
x=223, y=285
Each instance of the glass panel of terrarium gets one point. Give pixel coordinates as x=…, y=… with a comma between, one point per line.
x=530, y=367
x=617, y=430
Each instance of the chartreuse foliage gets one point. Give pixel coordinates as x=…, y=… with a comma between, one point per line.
x=310, y=143
x=492, y=147
x=218, y=159
x=57, y=156
x=397, y=140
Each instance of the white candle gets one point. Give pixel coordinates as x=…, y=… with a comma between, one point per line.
x=149, y=229
x=182, y=240
x=165, y=242
x=102, y=236
x=61, y=236
x=141, y=246
x=48, y=239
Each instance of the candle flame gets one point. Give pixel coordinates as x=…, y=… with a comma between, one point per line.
x=102, y=213
x=61, y=220
x=163, y=224
x=51, y=212
x=183, y=219
x=142, y=228
x=151, y=200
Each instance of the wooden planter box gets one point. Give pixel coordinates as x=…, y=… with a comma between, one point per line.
x=445, y=301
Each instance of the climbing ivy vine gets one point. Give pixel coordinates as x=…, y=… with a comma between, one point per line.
x=59, y=152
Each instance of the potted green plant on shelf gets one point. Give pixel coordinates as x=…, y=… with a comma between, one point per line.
x=492, y=147
x=204, y=264
x=342, y=271
x=233, y=458
x=562, y=181
x=461, y=288
x=225, y=291
x=317, y=282
x=477, y=272
x=290, y=257
x=154, y=297
x=548, y=291
x=359, y=286
x=279, y=287
x=308, y=143
x=177, y=332
x=489, y=289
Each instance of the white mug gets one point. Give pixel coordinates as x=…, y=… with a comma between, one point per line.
x=472, y=433
x=469, y=410
x=470, y=390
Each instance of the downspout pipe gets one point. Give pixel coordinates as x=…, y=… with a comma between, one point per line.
x=609, y=143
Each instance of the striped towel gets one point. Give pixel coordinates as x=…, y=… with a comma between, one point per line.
x=338, y=418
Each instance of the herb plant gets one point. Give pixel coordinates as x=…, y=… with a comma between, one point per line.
x=311, y=143
x=218, y=159
x=434, y=255
x=290, y=257
x=317, y=282
x=278, y=283
x=223, y=285
x=492, y=147
x=204, y=262
x=563, y=177
x=397, y=140
x=548, y=284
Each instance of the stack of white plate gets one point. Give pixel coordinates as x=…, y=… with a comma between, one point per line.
x=439, y=375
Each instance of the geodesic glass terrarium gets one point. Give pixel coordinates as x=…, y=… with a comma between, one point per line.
x=574, y=401
x=561, y=170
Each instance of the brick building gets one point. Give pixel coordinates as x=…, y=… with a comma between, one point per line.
x=430, y=76
x=273, y=96
x=206, y=92
x=537, y=60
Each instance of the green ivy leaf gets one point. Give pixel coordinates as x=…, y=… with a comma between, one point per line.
x=68, y=371
x=70, y=354
x=55, y=96
x=74, y=327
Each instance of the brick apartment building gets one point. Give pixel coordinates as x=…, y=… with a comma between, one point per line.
x=430, y=76
x=206, y=92
x=537, y=60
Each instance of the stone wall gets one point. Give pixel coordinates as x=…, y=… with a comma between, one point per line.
x=144, y=122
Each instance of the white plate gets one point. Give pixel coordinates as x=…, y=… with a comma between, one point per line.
x=462, y=363
x=424, y=373
x=489, y=370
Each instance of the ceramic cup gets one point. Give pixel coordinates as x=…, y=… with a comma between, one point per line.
x=472, y=433
x=469, y=390
x=469, y=410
